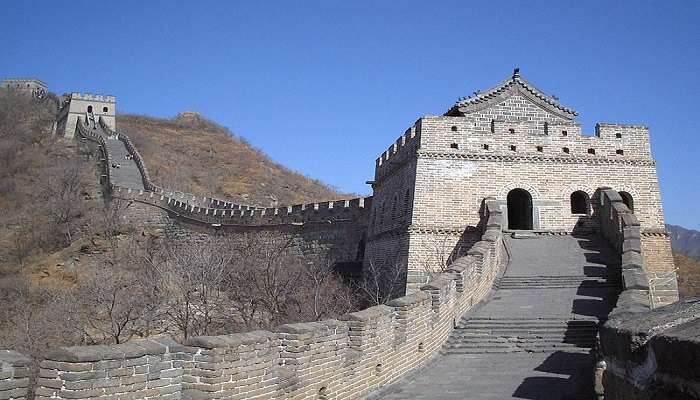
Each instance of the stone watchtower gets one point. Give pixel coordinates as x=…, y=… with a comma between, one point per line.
x=31, y=86
x=521, y=146
x=77, y=105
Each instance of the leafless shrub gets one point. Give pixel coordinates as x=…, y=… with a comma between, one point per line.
x=381, y=281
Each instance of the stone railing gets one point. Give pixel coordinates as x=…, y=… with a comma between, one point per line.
x=14, y=375
x=330, y=359
x=653, y=354
x=94, y=136
x=622, y=229
x=643, y=353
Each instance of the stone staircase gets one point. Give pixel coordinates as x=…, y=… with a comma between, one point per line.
x=557, y=282
x=544, y=329
x=534, y=335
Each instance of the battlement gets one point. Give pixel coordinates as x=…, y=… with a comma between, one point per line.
x=241, y=215
x=93, y=97
x=23, y=83
x=461, y=135
x=399, y=151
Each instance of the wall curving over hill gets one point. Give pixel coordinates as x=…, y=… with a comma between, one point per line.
x=336, y=227
x=193, y=154
x=330, y=359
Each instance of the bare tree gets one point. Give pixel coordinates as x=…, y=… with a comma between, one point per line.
x=381, y=282
x=322, y=293
x=189, y=279
x=114, y=305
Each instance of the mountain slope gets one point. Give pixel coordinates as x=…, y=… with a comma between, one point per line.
x=686, y=241
x=688, y=275
x=192, y=154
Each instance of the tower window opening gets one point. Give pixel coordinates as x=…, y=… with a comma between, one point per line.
x=618, y=135
x=565, y=150
x=89, y=109
x=454, y=146
x=564, y=133
x=591, y=151
x=105, y=109
x=579, y=202
x=628, y=200
x=619, y=152
x=540, y=149
x=454, y=128
x=486, y=147
x=513, y=148
x=511, y=130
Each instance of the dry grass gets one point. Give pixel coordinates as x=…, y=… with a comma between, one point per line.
x=688, y=275
x=193, y=154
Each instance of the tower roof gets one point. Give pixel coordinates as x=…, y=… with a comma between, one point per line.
x=503, y=90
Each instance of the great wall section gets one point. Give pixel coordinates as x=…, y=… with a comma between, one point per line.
x=561, y=305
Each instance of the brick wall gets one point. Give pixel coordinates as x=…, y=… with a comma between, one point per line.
x=14, y=375
x=135, y=370
x=330, y=359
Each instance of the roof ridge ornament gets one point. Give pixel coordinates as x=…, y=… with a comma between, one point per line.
x=481, y=99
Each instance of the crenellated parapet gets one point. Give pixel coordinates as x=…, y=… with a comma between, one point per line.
x=239, y=215
x=330, y=359
x=403, y=149
x=557, y=140
x=93, y=97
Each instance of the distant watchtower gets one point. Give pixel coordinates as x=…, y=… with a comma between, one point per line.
x=25, y=85
x=77, y=105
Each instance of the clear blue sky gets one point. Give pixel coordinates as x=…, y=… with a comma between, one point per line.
x=325, y=86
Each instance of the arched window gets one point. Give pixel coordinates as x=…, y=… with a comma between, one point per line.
x=89, y=109
x=105, y=109
x=580, y=202
x=628, y=200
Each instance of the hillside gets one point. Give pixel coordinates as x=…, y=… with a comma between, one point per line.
x=195, y=155
x=688, y=275
x=686, y=241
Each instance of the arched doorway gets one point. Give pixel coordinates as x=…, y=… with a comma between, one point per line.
x=519, y=203
x=628, y=200
x=580, y=202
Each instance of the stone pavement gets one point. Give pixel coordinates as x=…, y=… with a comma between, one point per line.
x=532, y=339
x=128, y=174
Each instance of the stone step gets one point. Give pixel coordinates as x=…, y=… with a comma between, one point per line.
x=490, y=324
x=590, y=341
x=558, y=286
x=523, y=330
x=552, y=349
x=477, y=334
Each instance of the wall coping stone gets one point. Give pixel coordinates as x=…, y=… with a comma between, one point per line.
x=14, y=359
x=114, y=352
x=411, y=299
x=368, y=314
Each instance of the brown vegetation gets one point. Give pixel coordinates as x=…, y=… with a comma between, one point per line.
x=688, y=275
x=72, y=272
x=192, y=154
